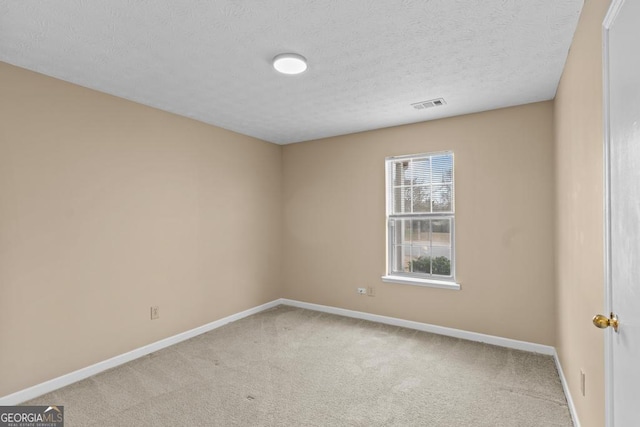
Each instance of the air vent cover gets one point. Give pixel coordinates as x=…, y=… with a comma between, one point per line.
x=438, y=102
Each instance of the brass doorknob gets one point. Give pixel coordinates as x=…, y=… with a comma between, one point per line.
x=604, y=322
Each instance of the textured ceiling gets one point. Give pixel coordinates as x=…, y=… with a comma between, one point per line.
x=368, y=59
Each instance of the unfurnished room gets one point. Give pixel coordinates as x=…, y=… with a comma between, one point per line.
x=319, y=213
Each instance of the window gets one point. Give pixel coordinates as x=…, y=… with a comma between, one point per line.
x=420, y=220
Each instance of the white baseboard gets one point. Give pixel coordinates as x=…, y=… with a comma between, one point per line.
x=80, y=374
x=440, y=330
x=75, y=376
x=567, y=393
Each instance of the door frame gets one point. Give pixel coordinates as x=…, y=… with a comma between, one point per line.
x=612, y=13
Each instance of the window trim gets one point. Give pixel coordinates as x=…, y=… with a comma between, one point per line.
x=418, y=279
x=429, y=283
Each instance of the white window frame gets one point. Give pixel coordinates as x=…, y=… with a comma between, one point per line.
x=413, y=278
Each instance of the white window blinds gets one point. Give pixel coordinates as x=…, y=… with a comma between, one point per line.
x=421, y=184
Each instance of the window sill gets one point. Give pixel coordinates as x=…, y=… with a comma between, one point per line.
x=422, y=282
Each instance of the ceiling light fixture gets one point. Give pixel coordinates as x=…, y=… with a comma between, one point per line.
x=290, y=63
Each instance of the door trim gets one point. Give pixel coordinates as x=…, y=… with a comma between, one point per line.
x=613, y=11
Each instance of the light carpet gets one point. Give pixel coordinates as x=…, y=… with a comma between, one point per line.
x=294, y=367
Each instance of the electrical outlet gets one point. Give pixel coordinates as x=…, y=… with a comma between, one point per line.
x=362, y=291
x=583, y=382
x=155, y=312
x=371, y=291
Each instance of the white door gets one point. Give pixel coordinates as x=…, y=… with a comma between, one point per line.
x=622, y=129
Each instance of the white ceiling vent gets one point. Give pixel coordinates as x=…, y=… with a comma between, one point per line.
x=438, y=102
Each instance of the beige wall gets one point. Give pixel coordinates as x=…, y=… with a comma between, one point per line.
x=108, y=207
x=334, y=228
x=579, y=216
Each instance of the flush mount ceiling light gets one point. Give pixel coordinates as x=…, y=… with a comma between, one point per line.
x=290, y=63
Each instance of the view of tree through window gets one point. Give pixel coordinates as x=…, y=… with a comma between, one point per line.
x=420, y=215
